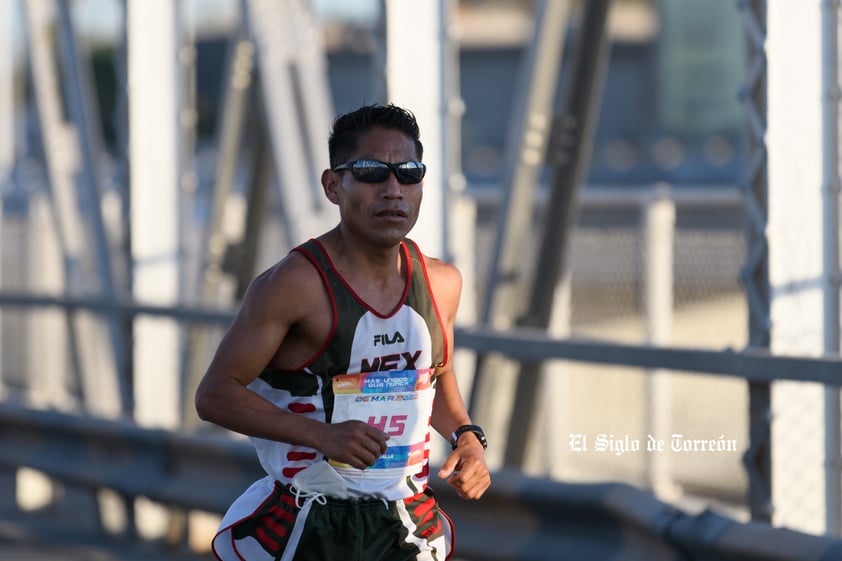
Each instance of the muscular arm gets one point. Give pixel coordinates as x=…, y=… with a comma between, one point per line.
x=267, y=315
x=465, y=468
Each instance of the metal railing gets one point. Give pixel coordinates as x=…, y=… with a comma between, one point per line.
x=531, y=518
x=755, y=365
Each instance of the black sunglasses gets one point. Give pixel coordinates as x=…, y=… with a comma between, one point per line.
x=374, y=171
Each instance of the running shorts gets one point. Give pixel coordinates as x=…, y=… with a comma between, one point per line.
x=326, y=529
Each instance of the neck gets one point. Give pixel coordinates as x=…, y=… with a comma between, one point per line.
x=350, y=253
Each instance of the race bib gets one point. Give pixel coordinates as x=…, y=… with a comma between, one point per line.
x=397, y=402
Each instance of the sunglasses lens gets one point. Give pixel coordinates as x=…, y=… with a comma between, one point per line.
x=369, y=171
x=410, y=172
x=373, y=171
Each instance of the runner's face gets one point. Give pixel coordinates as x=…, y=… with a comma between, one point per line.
x=380, y=212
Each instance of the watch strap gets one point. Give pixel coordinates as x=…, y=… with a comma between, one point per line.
x=476, y=429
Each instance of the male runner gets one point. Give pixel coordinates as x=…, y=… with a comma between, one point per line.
x=338, y=364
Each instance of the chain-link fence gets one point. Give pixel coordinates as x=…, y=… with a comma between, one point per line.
x=607, y=422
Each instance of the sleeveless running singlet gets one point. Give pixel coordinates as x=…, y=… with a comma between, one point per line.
x=375, y=368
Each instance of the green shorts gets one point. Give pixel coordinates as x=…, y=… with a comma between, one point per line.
x=324, y=529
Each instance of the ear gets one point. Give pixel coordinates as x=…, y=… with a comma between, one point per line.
x=330, y=184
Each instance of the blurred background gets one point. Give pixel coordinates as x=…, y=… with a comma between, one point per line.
x=644, y=175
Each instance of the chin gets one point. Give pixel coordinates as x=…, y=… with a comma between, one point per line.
x=390, y=238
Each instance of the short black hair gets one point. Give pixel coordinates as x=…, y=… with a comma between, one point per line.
x=347, y=129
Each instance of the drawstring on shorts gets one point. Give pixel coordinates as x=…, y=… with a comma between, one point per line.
x=298, y=528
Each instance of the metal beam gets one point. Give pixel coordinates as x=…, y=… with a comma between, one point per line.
x=242, y=258
x=415, y=37
x=238, y=92
x=167, y=467
x=830, y=256
x=569, y=156
x=755, y=273
x=7, y=93
x=98, y=387
x=531, y=519
x=127, y=308
x=280, y=64
x=82, y=108
x=503, y=295
x=756, y=365
x=524, y=158
x=7, y=126
x=156, y=93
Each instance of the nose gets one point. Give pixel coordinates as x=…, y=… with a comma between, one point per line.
x=392, y=189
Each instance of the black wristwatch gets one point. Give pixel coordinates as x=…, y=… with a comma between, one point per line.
x=476, y=429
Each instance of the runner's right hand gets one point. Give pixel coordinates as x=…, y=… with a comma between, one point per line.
x=354, y=443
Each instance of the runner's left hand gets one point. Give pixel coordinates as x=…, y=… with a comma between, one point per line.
x=465, y=470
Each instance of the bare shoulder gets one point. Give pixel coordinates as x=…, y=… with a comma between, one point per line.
x=445, y=281
x=442, y=271
x=277, y=302
x=270, y=291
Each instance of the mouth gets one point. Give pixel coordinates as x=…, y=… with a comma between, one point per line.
x=391, y=213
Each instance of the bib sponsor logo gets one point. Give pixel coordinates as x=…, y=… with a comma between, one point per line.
x=345, y=384
x=391, y=397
